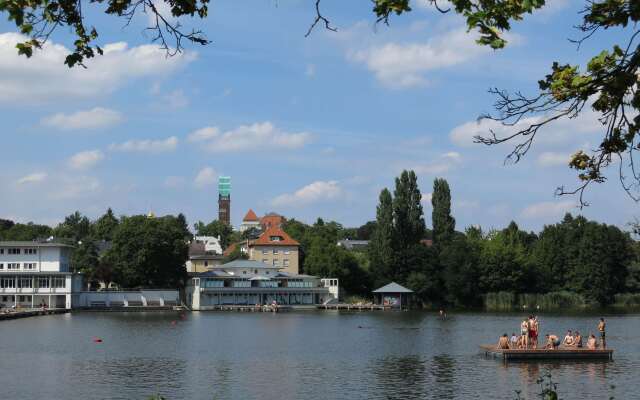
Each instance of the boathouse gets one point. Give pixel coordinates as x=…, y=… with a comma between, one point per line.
x=248, y=282
x=392, y=295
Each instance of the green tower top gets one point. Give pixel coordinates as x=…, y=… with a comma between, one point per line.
x=224, y=186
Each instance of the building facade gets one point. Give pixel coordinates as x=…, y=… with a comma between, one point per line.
x=276, y=248
x=33, y=274
x=248, y=283
x=250, y=221
x=205, y=252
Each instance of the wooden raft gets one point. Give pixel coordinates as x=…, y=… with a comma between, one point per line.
x=545, y=354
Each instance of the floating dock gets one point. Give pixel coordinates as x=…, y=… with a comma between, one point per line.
x=30, y=313
x=354, y=307
x=547, y=354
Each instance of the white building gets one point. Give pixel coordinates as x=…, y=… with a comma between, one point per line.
x=247, y=282
x=211, y=243
x=36, y=273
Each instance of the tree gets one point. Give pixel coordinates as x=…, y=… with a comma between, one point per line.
x=381, y=251
x=149, y=252
x=75, y=227
x=458, y=260
x=215, y=228
x=407, y=210
x=365, y=232
x=85, y=258
x=105, y=226
x=235, y=254
x=444, y=224
x=26, y=232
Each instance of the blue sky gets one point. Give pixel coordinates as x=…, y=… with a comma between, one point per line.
x=308, y=127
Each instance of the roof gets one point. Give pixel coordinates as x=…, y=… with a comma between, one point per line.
x=26, y=243
x=265, y=238
x=393, y=288
x=271, y=220
x=239, y=263
x=350, y=244
x=251, y=216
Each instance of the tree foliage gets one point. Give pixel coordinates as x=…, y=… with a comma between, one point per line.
x=444, y=224
x=149, y=252
x=215, y=228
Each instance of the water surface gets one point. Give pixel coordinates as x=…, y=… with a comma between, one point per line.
x=297, y=355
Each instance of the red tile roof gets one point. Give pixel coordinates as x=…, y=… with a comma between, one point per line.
x=271, y=220
x=251, y=216
x=265, y=238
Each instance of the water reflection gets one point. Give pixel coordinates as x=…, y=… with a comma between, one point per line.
x=400, y=377
x=443, y=369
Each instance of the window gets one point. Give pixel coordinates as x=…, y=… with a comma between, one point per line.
x=30, y=251
x=265, y=251
x=269, y=284
x=206, y=263
x=241, y=284
x=8, y=283
x=287, y=251
x=285, y=262
x=1, y=266
x=275, y=262
x=275, y=251
x=29, y=266
x=244, y=272
x=275, y=238
x=5, y=298
x=25, y=283
x=213, y=283
x=43, y=283
x=59, y=282
x=264, y=260
x=13, y=266
x=13, y=251
x=1, y=251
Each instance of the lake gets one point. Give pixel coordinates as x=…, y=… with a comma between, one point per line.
x=297, y=355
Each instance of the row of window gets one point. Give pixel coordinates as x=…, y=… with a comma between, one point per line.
x=211, y=283
x=275, y=251
x=275, y=263
x=14, y=266
x=28, y=282
x=17, y=250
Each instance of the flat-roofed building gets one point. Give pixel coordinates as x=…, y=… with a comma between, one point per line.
x=249, y=282
x=33, y=274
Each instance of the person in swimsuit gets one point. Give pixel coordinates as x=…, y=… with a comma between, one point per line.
x=601, y=328
x=568, y=339
x=513, y=341
x=591, y=342
x=533, y=333
x=577, y=340
x=503, y=342
x=524, y=333
x=553, y=342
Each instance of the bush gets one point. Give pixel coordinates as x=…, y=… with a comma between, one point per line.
x=500, y=301
x=627, y=300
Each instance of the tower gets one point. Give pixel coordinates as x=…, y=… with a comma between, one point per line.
x=224, y=199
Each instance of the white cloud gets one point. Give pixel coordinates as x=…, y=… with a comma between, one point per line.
x=442, y=164
x=562, y=131
x=85, y=159
x=548, y=209
x=203, y=134
x=254, y=137
x=176, y=99
x=73, y=187
x=312, y=193
x=550, y=159
x=147, y=145
x=32, y=178
x=310, y=71
x=95, y=118
x=206, y=176
x=45, y=77
x=400, y=65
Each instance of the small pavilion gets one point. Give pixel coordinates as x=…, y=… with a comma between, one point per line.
x=392, y=295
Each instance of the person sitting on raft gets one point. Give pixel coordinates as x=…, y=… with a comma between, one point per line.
x=503, y=342
x=591, y=342
x=568, y=339
x=553, y=342
x=577, y=340
x=513, y=342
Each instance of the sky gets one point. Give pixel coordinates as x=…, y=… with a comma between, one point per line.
x=306, y=126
